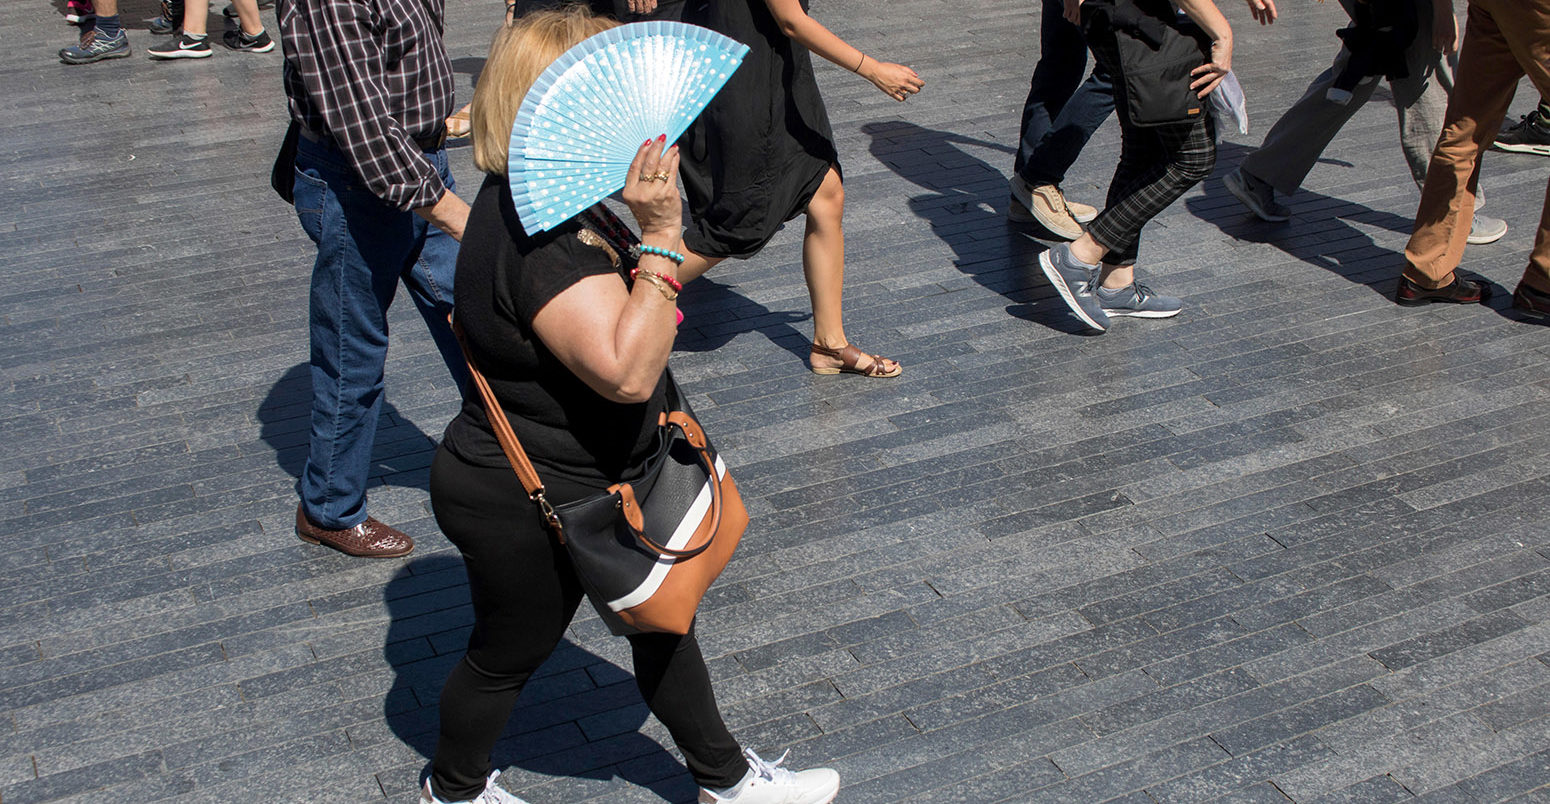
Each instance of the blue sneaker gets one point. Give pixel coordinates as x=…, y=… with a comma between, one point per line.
x=1138, y=301
x=169, y=20
x=1074, y=280
x=95, y=47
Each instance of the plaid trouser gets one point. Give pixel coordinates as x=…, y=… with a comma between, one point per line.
x=1157, y=164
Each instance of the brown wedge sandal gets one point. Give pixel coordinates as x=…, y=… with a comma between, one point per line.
x=849, y=356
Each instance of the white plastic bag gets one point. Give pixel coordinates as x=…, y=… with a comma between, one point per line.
x=1229, y=106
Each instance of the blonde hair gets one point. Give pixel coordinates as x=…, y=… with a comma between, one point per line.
x=520, y=52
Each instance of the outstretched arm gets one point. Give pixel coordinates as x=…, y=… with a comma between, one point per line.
x=895, y=80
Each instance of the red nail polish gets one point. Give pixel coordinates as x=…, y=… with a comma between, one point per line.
x=662, y=138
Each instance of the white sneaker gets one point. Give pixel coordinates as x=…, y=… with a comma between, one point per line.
x=493, y=794
x=768, y=783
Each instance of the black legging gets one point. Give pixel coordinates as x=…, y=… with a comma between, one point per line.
x=524, y=594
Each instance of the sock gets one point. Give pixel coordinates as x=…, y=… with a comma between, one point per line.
x=110, y=27
x=196, y=37
x=1543, y=112
x=248, y=37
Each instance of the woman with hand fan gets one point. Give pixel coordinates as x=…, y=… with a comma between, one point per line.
x=576, y=358
x=763, y=153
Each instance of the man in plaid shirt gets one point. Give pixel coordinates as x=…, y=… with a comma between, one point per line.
x=370, y=86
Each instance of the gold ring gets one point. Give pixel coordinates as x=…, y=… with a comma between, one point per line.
x=644, y=177
x=661, y=175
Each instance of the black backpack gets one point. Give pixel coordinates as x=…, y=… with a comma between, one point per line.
x=1157, y=50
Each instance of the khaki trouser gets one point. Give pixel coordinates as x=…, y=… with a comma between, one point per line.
x=1503, y=40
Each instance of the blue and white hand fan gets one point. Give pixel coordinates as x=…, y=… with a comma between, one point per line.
x=580, y=125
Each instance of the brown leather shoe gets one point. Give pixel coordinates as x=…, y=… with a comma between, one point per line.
x=1531, y=302
x=370, y=539
x=1461, y=291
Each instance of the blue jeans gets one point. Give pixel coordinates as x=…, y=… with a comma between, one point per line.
x=1062, y=110
x=364, y=248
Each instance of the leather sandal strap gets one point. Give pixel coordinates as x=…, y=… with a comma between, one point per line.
x=849, y=357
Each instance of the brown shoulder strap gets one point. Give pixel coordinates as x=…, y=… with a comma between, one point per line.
x=502, y=427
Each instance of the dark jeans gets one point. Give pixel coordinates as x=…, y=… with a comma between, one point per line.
x=1062, y=111
x=524, y=594
x=365, y=248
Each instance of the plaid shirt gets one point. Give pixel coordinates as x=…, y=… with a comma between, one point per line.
x=371, y=75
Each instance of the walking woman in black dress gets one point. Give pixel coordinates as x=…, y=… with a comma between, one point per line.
x=763, y=153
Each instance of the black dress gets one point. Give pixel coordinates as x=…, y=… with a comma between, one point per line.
x=758, y=152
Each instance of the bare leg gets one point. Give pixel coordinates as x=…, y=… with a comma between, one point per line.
x=247, y=16
x=823, y=265
x=195, y=14
x=694, y=265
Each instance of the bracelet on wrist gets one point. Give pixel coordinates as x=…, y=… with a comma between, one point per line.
x=672, y=282
x=640, y=249
x=859, y=63
x=661, y=284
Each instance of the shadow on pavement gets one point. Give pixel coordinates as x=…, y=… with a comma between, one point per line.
x=401, y=454
x=1321, y=232
x=714, y=314
x=965, y=198
x=579, y=715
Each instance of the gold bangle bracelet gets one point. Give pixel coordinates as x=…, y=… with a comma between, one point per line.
x=662, y=287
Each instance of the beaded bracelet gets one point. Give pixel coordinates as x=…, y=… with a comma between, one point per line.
x=642, y=249
x=636, y=273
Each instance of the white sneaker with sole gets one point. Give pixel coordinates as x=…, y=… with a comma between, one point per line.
x=493, y=794
x=768, y=783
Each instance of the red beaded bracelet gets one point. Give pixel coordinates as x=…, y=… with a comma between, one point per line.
x=671, y=282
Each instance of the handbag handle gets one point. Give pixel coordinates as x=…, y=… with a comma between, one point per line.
x=627, y=504
x=508, y=437
x=631, y=509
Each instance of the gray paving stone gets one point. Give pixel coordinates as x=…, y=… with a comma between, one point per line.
x=1217, y=518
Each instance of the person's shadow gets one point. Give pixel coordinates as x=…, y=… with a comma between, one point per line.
x=579, y=716
x=1324, y=231
x=965, y=199
x=401, y=453
x=715, y=313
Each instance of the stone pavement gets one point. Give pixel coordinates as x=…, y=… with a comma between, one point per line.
x=1288, y=546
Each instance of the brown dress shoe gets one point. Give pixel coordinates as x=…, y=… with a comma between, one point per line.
x=370, y=539
x=1531, y=302
x=1461, y=291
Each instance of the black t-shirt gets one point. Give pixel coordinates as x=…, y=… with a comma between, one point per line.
x=503, y=279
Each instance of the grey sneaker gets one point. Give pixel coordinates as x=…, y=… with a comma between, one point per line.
x=1074, y=280
x=1486, y=229
x=1044, y=205
x=183, y=47
x=1138, y=301
x=1258, y=196
x=95, y=47
x=169, y=20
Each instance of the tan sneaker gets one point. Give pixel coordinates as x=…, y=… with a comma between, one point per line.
x=1082, y=212
x=1043, y=205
